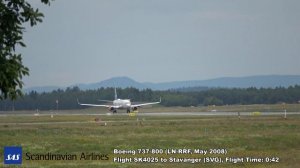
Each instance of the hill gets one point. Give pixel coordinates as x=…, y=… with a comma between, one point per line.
x=263, y=81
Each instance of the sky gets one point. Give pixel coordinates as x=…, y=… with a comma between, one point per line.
x=82, y=41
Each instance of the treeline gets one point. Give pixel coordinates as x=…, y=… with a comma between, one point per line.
x=67, y=99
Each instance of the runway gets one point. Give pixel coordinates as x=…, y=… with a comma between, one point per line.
x=154, y=114
x=138, y=116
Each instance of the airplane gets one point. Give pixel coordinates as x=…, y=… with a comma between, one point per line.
x=119, y=104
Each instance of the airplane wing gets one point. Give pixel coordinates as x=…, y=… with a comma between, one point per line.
x=97, y=105
x=145, y=104
x=105, y=100
x=94, y=105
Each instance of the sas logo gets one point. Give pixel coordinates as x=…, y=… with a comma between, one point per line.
x=12, y=155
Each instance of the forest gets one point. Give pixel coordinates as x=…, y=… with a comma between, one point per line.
x=67, y=99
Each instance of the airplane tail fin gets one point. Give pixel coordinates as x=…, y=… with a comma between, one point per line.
x=116, y=96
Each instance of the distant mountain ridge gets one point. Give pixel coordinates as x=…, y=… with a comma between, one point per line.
x=265, y=81
x=122, y=82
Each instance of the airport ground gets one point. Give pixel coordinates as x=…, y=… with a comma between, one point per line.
x=253, y=135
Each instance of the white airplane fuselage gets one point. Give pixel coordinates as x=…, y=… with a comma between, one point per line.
x=122, y=103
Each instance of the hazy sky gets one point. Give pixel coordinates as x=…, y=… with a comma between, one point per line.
x=84, y=41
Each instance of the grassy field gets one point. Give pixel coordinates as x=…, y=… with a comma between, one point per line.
x=250, y=136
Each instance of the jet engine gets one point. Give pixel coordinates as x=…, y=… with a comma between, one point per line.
x=112, y=109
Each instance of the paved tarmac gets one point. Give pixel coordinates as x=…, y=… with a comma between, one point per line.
x=153, y=114
x=104, y=123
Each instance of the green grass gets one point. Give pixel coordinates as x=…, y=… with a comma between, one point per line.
x=255, y=136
